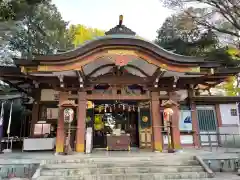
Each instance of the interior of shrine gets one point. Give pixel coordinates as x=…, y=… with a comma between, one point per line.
x=110, y=115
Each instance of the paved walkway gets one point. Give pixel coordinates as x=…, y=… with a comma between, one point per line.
x=17, y=156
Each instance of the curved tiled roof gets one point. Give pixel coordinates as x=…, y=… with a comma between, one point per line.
x=120, y=40
x=120, y=37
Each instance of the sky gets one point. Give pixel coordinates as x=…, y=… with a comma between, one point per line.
x=142, y=16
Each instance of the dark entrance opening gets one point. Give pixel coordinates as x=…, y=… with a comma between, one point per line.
x=111, y=115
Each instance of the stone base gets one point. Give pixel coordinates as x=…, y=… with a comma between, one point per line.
x=238, y=173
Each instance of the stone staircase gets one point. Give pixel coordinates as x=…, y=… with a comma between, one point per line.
x=123, y=168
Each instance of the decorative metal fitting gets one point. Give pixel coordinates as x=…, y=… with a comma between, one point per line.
x=221, y=165
x=209, y=163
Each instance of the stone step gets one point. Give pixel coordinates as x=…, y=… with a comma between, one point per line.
x=121, y=164
x=117, y=159
x=120, y=170
x=142, y=176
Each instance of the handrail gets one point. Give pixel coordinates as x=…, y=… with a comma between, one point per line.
x=205, y=167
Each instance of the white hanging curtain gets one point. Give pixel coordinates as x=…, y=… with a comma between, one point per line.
x=1, y=115
x=10, y=119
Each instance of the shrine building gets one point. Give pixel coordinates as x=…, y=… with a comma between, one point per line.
x=118, y=85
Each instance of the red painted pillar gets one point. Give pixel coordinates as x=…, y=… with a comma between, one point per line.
x=63, y=96
x=218, y=114
x=195, y=128
x=81, y=119
x=175, y=122
x=195, y=125
x=156, y=122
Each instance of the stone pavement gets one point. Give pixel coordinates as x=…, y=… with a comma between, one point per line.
x=204, y=153
x=225, y=176
x=36, y=157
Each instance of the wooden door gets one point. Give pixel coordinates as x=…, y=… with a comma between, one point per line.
x=145, y=126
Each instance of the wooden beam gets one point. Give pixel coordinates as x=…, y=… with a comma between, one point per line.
x=113, y=97
x=128, y=79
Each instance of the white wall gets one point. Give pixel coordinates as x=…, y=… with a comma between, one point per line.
x=230, y=124
x=227, y=119
x=184, y=139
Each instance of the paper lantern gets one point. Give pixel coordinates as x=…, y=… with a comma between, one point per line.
x=68, y=115
x=169, y=111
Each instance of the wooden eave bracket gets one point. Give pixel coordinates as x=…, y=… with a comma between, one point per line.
x=169, y=103
x=176, y=78
x=159, y=75
x=61, y=77
x=68, y=103
x=80, y=79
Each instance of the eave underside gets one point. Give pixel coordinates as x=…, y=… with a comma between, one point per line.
x=157, y=80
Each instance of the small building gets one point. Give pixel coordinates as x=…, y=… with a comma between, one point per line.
x=118, y=86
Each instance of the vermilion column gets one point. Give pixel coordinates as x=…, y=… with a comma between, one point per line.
x=156, y=122
x=81, y=119
x=218, y=114
x=175, y=122
x=194, y=118
x=63, y=96
x=195, y=125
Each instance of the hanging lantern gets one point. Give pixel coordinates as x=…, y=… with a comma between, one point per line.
x=110, y=109
x=133, y=108
x=129, y=108
x=123, y=107
x=167, y=113
x=90, y=105
x=68, y=115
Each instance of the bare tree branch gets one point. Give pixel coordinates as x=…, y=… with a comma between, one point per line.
x=227, y=10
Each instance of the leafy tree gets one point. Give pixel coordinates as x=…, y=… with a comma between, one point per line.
x=222, y=16
x=5, y=55
x=182, y=35
x=231, y=85
x=41, y=31
x=16, y=9
x=81, y=33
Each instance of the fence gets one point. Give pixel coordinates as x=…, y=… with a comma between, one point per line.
x=17, y=170
x=219, y=140
x=222, y=143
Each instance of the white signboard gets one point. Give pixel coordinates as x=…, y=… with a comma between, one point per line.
x=185, y=120
x=49, y=95
x=52, y=113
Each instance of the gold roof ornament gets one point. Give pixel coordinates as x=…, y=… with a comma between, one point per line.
x=120, y=29
x=120, y=20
